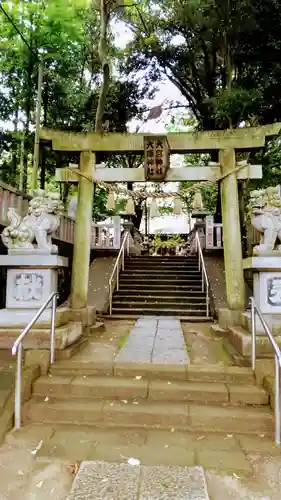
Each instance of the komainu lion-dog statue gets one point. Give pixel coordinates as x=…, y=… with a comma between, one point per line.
x=265, y=210
x=35, y=230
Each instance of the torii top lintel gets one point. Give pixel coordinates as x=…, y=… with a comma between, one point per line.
x=179, y=142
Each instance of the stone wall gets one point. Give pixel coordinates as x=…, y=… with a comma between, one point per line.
x=99, y=275
x=215, y=268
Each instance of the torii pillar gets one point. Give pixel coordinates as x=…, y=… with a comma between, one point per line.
x=232, y=244
x=83, y=233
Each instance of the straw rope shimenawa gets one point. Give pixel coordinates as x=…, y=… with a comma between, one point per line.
x=141, y=194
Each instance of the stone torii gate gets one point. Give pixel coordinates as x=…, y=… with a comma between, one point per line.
x=226, y=142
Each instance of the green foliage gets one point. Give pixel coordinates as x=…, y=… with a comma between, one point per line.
x=270, y=159
x=223, y=56
x=65, y=34
x=239, y=104
x=168, y=243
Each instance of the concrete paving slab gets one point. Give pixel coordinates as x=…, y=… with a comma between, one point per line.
x=105, y=481
x=155, y=341
x=173, y=483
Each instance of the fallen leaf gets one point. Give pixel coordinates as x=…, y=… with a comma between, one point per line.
x=38, y=447
x=201, y=437
x=74, y=468
x=133, y=461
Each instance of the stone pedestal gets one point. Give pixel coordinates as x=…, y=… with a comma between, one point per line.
x=267, y=289
x=31, y=278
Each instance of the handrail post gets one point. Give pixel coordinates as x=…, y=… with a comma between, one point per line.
x=110, y=297
x=277, y=402
x=18, y=389
x=52, y=348
x=277, y=358
x=123, y=259
x=253, y=327
x=18, y=347
x=207, y=301
x=128, y=244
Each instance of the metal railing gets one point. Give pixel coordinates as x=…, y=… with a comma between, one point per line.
x=120, y=263
x=202, y=268
x=277, y=354
x=17, y=349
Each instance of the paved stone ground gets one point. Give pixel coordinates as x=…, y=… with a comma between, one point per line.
x=133, y=482
x=32, y=469
x=103, y=346
x=155, y=340
x=203, y=346
x=37, y=462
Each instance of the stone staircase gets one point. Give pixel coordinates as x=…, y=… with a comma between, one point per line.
x=192, y=398
x=154, y=286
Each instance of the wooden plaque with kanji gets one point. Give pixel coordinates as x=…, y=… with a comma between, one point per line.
x=156, y=157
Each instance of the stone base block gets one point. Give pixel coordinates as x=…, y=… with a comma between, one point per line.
x=228, y=318
x=87, y=315
x=273, y=321
x=15, y=318
x=242, y=341
x=39, y=338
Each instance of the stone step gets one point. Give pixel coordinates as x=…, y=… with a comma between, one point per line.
x=158, y=304
x=181, y=317
x=150, y=414
x=162, y=258
x=242, y=341
x=144, y=311
x=165, y=272
x=192, y=373
x=200, y=300
x=162, y=292
x=124, y=388
x=163, y=266
x=162, y=287
x=161, y=276
x=159, y=284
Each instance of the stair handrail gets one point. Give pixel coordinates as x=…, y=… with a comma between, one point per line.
x=255, y=311
x=17, y=349
x=120, y=263
x=202, y=268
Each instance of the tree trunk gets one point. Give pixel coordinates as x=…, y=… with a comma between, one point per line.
x=15, y=149
x=27, y=121
x=136, y=219
x=103, y=55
